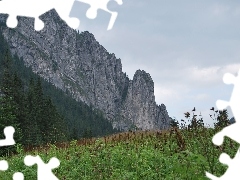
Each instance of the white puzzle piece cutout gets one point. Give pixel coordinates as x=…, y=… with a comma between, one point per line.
x=36, y=8
x=8, y=141
x=44, y=171
x=232, y=172
x=101, y=4
x=3, y=165
x=18, y=176
x=231, y=131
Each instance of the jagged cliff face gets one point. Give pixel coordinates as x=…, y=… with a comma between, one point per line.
x=77, y=63
x=140, y=107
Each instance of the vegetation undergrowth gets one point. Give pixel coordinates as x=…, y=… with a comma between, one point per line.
x=182, y=152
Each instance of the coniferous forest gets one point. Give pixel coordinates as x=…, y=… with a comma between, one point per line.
x=40, y=112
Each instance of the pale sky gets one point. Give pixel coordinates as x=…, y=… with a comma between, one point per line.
x=186, y=46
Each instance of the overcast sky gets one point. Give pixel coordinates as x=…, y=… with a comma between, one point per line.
x=186, y=46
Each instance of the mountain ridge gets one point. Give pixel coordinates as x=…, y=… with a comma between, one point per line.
x=79, y=65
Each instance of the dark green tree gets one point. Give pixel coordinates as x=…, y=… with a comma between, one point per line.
x=222, y=119
x=32, y=131
x=9, y=106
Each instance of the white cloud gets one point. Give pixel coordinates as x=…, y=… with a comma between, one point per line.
x=186, y=46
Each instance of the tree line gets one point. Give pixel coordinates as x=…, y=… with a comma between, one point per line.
x=40, y=112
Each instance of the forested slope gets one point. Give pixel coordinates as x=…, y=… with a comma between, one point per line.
x=39, y=111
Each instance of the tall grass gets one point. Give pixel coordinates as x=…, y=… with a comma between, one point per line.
x=178, y=153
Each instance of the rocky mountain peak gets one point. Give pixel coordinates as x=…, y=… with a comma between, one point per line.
x=88, y=36
x=142, y=78
x=78, y=64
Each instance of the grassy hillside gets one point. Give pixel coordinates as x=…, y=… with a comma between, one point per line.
x=150, y=155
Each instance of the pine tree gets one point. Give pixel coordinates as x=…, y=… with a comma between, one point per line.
x=6, y=86
x=32, y=131
x=9, y=107
x=54, y=123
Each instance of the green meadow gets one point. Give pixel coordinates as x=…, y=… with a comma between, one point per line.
x=183, y=152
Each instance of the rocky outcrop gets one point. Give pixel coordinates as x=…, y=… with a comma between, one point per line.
x=77, y=63
x=139, y=106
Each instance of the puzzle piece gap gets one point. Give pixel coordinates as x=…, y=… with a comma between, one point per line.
x=228, y=78
x=231, y=131
x=63, y=8
x=44, y=170
x=8, y=132
x=18, y=176
x=3, y=165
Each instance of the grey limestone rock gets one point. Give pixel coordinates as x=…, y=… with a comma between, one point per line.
x=77, y=63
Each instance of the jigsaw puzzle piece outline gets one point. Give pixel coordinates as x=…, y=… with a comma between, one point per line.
x=211, y=176
x=64, y=14
x=95, y=5
x=43, y=170
x=233, y=166
x=221, y=104
x=8, y=133
x=229, y=78
x=34, y=9
x=7, y=7
x=235, y=96
x=18, y=176
x=3, y=165
x=229, y=131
